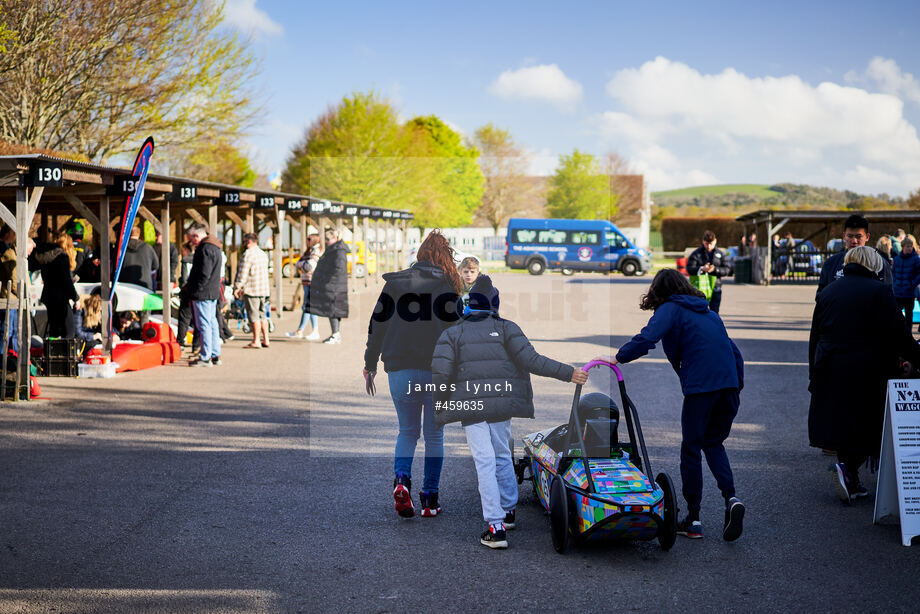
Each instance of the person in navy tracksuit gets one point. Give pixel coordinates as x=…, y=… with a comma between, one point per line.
x=711, y=372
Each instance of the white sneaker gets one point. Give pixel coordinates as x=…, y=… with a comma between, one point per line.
x=297, y=334
x=313, y=336
x=334, y=338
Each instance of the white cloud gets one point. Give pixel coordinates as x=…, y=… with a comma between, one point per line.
x=887, y=77
x=726, y=117
x=546, y=83
x=541, y=163
x=246, y=16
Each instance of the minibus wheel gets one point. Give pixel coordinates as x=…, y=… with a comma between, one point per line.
x=536, y=267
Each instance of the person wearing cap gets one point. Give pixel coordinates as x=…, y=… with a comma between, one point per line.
x=481, y=370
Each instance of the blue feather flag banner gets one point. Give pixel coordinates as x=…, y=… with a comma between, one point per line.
x=132, y=204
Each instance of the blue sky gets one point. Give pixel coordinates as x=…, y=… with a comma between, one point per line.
x=826, y=93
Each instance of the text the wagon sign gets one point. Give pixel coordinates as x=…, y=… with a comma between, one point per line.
x=898, y=490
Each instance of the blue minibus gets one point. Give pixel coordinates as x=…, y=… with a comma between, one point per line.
x=572, y=245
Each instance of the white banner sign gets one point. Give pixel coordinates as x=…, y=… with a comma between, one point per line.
x=898, y=491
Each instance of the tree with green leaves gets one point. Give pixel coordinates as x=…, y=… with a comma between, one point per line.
x=504, y=166
x=218, y=161
x=913, y=201
x=455, y=181
x=354, y=152
x=358, y=151
x=579, y=189
x=95, y=77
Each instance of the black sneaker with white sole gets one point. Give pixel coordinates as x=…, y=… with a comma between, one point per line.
x=734, y=519
x=495, y=537
x=509, y=520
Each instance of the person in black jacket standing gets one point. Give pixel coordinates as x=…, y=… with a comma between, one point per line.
x=415, y=306
x=57, y=263
x=203, y=290
x=857, y=333
x=481, y=374
x=329, y=287
x=709, y=260
x=855, y=234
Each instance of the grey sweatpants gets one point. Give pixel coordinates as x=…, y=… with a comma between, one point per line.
x=498, y=487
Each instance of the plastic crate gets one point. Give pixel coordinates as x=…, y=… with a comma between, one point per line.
x=64, y=349
x=102, y=370
x=58, y=367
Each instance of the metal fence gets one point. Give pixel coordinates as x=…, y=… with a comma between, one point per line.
x=800, y=265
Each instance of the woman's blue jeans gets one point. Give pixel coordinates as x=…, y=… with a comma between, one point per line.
x=306, y=316
x=413, y=410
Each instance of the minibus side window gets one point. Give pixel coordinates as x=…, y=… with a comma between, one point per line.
x=524, y=236
x=554, y=237
x=615, y=239
x=579, y=237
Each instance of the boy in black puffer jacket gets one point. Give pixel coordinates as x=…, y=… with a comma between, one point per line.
x=481, y=372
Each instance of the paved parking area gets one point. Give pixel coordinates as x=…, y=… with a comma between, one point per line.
x=264, y=485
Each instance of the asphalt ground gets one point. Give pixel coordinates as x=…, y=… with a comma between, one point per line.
x=264, y=485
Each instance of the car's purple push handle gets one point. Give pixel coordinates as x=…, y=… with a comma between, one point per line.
x=597, y=363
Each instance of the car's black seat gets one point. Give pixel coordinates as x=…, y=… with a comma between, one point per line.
x=599, y=416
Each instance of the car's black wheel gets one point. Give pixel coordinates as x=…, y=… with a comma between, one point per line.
x=567, y=271
x=287, y=269
x=667, y=531
x=559, y=515
x=629, y=268
x=536, y=267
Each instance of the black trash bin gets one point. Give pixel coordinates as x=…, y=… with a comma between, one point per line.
x=744, y=270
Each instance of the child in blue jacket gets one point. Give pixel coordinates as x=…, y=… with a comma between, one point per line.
x=905, y=277
x=711, y=373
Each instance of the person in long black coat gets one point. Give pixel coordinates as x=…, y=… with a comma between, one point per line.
x=329, y=287
x=57, y=262
x=857, y=343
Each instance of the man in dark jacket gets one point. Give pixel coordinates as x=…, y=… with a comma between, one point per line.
x=855, y=233
x=140, y=262
x=481, y=373
x=203, y=290
x=708, y=260
x=329, y=287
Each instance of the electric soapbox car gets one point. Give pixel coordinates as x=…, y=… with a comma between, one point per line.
x=594, y=486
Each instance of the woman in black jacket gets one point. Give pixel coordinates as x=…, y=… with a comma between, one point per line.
x=329, y=286
x=857, y=341
x=57, y=264
x=415, y=306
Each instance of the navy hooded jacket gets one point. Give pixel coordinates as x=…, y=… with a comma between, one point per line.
x=905, y=274
x=695, y=342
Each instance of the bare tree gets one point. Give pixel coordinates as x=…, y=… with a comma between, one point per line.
x=504, y=165
x=95, y=76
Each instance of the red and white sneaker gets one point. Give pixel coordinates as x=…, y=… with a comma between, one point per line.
x=402, y=486
x=430, y=507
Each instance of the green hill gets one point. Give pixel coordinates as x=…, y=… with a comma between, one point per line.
x=764, y=191
x=730, y=200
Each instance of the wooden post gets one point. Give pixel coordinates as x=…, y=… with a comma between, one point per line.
x=367, y=251
x=166, y=265
x=304, y=231
x=105, y=273
x=277, y=253
x=23, y=221
x=6, y=334
x=356, y=249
